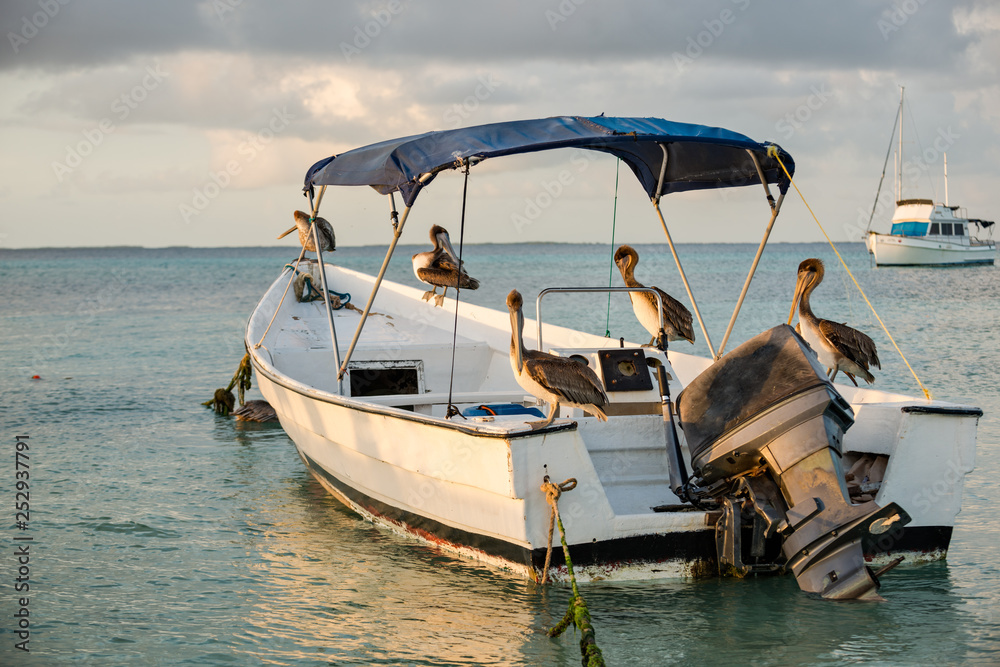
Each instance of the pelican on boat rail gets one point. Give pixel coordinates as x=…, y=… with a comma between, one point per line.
x=413, y=417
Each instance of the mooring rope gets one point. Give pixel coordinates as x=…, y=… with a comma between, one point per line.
x=577, y=614
x=338, y=300
x=772, y=151
x=223, y=402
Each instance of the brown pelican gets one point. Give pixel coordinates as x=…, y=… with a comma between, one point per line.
x=324, y=228
x=439, y=267
x=676, y=318
x=838, y=346
x=550, y=378
x=255, y=411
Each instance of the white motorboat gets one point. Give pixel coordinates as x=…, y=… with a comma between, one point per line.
x=411, y=414
x=925, y=233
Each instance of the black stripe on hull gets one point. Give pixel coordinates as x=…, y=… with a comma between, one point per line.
x=696, y=548
x=428, y=529
x=942, y=410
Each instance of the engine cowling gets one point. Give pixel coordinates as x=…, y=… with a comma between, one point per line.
x=764, y=427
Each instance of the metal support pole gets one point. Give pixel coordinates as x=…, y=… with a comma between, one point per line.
x=687, y=286
x=762, y=177
x=326, y=292
x=291, y=279
x=397, y=230
x=775, y=208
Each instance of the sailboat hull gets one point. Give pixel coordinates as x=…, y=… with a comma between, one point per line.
x=890, y=250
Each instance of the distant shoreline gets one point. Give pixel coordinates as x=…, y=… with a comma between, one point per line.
x=354, y=247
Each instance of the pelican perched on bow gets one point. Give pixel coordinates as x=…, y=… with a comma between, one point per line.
x=838, y=346
x=440, y=267
x=550, y=378
x=676, y=318
x=324, y=228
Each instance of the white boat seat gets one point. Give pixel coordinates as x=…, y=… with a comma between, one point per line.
x=441, y=398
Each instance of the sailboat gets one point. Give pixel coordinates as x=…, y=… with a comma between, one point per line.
x=927, y=233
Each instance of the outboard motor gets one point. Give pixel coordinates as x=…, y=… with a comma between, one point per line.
x=764, y=427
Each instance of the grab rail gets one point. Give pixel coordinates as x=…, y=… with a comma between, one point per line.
x=538, y=302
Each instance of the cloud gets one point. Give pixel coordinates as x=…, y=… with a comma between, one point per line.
x=184, y=88
x=408, y=34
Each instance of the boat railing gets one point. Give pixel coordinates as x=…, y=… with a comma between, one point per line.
x=548, y=290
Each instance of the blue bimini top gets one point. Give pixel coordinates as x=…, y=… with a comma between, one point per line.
x=698, y=157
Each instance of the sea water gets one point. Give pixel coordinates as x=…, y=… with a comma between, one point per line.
x=162, y=534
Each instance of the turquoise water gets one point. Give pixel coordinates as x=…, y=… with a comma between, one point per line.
x=165, y=535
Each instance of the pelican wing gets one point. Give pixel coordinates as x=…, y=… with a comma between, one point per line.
x=570, y=380
x=851, y=343
x=446, y=262
x=446, y=278
x=326, y=235
x=676, y=314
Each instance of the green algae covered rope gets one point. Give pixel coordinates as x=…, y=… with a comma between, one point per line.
x=223, y=402
x=577, y=614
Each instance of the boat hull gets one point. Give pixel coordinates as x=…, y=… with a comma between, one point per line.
x=406, y=502
x=891, y=250
x=480, y=496
x=473, y=487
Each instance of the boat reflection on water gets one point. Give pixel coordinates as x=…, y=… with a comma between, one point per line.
x=332, y=587
x=924, y=618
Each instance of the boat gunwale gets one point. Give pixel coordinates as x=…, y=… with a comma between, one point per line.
x=973, y=242
x=353, y=403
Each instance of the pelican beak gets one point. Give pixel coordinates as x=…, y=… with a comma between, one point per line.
x=800, y=285
x=445, y=242
x=286, y=233
x=516, y=325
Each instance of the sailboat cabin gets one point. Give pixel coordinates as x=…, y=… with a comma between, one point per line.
x=922, y=217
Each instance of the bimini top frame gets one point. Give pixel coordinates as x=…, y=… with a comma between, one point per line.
x=665, y=157
x=702, y=157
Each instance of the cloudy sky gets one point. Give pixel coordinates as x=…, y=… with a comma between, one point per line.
x=193, y=123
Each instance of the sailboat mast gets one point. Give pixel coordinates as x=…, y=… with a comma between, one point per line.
x=945, y=179
x=899, y=152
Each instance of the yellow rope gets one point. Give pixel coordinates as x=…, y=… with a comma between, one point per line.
x=772, y=151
